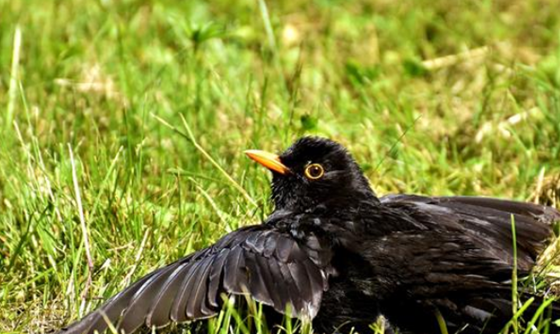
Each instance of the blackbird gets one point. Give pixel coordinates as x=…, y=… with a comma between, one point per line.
x=334, y=253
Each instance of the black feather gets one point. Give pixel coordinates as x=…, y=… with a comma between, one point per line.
x=335, y=253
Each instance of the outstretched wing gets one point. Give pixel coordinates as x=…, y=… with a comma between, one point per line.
x=489, y=221
x=270, y=266
x=444, y=271
x=447, y=273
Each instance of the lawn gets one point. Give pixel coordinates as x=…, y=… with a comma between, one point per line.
x=126, y=121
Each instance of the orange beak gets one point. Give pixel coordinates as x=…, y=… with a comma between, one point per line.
x=269, y=160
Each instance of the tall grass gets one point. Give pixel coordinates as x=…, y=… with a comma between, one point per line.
x=432, y=97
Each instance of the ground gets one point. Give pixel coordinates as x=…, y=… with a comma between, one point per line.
x=125, y=122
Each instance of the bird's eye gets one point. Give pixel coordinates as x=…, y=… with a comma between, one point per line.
x=314, y=171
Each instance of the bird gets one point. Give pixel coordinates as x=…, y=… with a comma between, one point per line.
x=335, y=253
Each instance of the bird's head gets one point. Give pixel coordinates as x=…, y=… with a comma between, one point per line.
x=314, y=171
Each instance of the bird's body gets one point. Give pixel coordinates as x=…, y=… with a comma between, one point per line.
x=335, y=253
x=452, y=255
x=455, y=258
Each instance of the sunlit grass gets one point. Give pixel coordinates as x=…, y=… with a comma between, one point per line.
x=432, y=97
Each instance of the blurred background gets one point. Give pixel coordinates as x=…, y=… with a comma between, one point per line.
x=130, y=118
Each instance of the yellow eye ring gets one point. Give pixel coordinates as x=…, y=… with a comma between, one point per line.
x=314, y=171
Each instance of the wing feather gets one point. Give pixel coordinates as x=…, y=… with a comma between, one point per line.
x=196, y=306
x=257, y=286
x=178, y=312
x=160, y=310
x=488, y=220
x=291, y=287
x=235, y=272
x=282, y=297
x=301, y=279
x=215, y=278
x=134, y=315
x=111, y=310
x=258, y=260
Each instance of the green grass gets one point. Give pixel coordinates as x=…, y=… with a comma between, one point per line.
x=431, y=96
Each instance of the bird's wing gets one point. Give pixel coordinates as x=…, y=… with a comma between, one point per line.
x=433, y=263
x=443, y=271
x=270, y=266
x=541, y=213
x=487, y=219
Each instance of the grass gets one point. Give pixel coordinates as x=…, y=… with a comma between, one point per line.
x=431, y=96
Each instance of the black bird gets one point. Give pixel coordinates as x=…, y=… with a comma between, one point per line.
x=335, y=253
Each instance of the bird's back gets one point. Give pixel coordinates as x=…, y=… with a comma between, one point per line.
x=488, y=221
x=459, y=262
